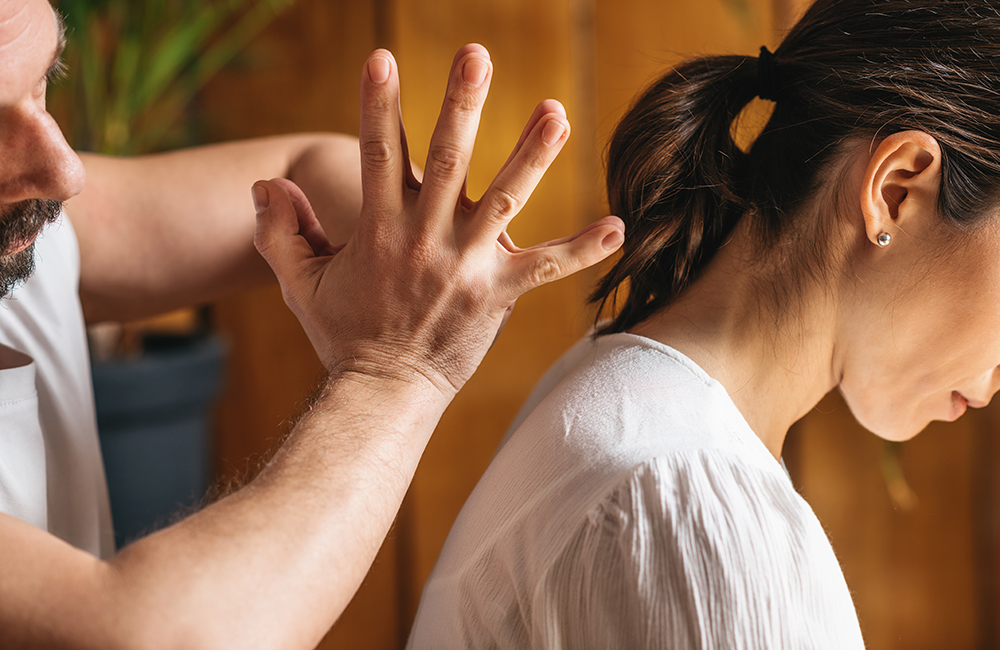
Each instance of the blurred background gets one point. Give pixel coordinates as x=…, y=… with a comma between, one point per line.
x=914, y=525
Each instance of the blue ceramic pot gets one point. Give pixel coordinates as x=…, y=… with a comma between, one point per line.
x=153, y=415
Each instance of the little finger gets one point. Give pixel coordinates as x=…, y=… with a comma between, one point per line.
x=542, y=264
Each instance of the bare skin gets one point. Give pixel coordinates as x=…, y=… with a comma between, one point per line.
x=165, y=231
x=156, y=232
x=907, y=331
x=401, y=315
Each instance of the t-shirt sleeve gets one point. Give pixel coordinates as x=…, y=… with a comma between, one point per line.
x=696, y=550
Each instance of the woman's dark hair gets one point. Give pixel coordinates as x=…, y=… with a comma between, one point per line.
x=848, y=69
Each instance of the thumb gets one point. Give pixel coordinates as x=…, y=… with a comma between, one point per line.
x=277, y=234
x=309, y=226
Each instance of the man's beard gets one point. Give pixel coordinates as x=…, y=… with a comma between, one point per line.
x=21, y=222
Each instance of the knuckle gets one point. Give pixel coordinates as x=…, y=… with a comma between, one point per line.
x=543, y=270
x=378, y=100
x=460, y=100
x=537, y=160
x=423, y=254
x=476, y=290
x=503, y=203
x=445, y=160
x=376, y=152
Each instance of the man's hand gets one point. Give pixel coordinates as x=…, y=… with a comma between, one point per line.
x=402, y=314
x=419, y=291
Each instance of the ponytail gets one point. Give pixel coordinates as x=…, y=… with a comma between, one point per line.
x=850, y=70
x=675, y=177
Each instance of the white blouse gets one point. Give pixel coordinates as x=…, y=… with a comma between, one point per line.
x=633, y=507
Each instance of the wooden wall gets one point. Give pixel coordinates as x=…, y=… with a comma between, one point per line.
x=302, y=75
x=918, y=576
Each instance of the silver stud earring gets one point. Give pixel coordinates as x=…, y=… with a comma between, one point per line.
x=883, y=239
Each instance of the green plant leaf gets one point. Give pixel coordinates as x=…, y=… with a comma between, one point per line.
x=234, y=41
x=136, y=66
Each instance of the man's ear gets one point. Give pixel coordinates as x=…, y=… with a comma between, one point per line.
x=900, y=188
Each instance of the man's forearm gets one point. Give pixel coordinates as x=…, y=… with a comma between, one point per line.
x=270, y=566
x=170, y=230
x=344, y=469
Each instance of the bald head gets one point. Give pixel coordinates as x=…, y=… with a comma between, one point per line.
x=31, y=40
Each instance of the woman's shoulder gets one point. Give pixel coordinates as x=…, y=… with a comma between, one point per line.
x=691, y=543
x=615, y=401
x=703, y=510
x=696, y=545
x=607, y=365
x=712, y=494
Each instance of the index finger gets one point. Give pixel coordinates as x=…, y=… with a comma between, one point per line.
x=382, y=156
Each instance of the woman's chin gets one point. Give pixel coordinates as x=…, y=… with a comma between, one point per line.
x=900, y=435
x=891, y=428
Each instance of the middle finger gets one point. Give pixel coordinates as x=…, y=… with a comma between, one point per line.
x=455, y=133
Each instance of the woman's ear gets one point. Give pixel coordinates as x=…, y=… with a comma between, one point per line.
x=901, y=184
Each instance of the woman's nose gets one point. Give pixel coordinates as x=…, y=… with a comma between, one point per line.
x=36, y=162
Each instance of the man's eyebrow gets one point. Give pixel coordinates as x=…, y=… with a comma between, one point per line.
x=57, y=67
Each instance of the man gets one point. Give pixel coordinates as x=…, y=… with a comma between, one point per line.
x=400, y=314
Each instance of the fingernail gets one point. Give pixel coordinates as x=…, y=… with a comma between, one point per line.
x=474, y=72
x=261, y=198
x=379, y=69
x=552, y=132
x=613, y=241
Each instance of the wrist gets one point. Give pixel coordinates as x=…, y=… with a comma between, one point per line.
x=405, y=399
x=391, y=373
x=364, y=423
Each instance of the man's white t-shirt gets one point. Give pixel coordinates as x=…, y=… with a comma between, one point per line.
x=51, y=472
x=633, y=507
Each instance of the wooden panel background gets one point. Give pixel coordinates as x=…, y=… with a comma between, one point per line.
x=924, y=578
x=301, y=75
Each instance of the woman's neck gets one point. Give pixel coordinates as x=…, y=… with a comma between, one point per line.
x=776, y=363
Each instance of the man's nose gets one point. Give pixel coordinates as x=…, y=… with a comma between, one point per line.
x=36, y=162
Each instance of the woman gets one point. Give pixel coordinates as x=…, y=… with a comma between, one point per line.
x=639, y=501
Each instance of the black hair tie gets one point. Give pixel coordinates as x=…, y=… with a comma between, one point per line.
x=767, y=75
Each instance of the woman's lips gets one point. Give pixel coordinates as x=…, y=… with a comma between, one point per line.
x=958, y=405
x=975, y=404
